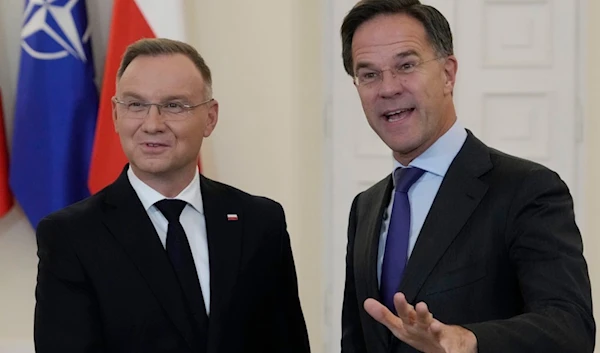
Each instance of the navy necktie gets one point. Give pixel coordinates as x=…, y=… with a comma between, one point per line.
x=180, y=255
x=396, y=245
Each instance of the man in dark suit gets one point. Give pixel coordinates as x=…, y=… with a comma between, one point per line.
x=164, y=259
x=463, y=248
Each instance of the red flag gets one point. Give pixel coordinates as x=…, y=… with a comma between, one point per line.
x=131, y=20
x=6, y=198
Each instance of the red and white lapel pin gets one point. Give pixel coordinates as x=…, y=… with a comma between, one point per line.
x=232, y=217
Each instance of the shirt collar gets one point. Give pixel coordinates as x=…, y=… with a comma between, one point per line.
x=148, y=196
x=438, y=157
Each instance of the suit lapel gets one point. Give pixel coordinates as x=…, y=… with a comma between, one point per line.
x=129, y=223
x=224, y=248
x=458, y=196
x=366, y=246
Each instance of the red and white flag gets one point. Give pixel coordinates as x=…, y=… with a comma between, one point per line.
x=131, y=20
x=6, y=197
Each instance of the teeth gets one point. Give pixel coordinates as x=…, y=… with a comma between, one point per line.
x=397, y=112
x=390, y=116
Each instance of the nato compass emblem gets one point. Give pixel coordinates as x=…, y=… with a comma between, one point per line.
x=61, y=34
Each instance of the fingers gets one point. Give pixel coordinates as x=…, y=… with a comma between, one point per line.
x=405, y=311
x=407, y=314
x=424, y=317
x=436, y=328
x=414, y=325
x=384, y=316
x=379, y=312
x=375, y=309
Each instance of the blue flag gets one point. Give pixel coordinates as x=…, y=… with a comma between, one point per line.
x=56, y=108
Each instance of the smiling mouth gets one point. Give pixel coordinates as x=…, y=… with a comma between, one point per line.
x=398, y=114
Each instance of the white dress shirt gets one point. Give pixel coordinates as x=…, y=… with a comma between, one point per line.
x=435, y=161
x=192, y=220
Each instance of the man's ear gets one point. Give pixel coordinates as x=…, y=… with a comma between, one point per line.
x=114, y=114
x=450, y=70
x=212, y=119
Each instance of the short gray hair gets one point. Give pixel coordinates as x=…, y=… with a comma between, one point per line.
x=164, y=46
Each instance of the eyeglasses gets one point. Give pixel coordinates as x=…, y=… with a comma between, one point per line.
x=135, y=109
x=366, y=77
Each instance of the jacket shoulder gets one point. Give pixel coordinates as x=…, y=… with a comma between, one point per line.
x=249, y=201
x=78, y=211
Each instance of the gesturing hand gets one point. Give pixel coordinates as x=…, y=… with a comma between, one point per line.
x=417, y=327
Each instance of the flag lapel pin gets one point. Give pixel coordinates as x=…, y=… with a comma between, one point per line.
x=232, y=217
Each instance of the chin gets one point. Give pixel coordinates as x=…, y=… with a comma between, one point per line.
x=402, y=145
x=404, y=148
x=152, y=167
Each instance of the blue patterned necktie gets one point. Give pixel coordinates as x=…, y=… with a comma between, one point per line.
x=396, y=245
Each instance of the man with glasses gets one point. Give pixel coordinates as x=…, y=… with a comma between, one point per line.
x=462, y=248
x=165, y=259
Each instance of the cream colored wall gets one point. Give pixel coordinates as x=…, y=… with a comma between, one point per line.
x=592, y=152
x=266, y=60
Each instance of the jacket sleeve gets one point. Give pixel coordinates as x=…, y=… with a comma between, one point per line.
x=66, y=312
x=546, y=251
x=293, y=334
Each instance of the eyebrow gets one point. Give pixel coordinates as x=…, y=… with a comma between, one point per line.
x=176, y=98
x=131, y=95
x=401, y=55
x=363, y=65
x=164, y=99
x=406, y=54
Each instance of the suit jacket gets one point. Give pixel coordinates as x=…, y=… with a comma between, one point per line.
x=499, y=253
x=105, y=283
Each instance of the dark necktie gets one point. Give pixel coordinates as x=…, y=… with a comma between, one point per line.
x=396, y=245
x=180, y=254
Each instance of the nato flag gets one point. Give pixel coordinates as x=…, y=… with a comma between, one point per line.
x=56, y=107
